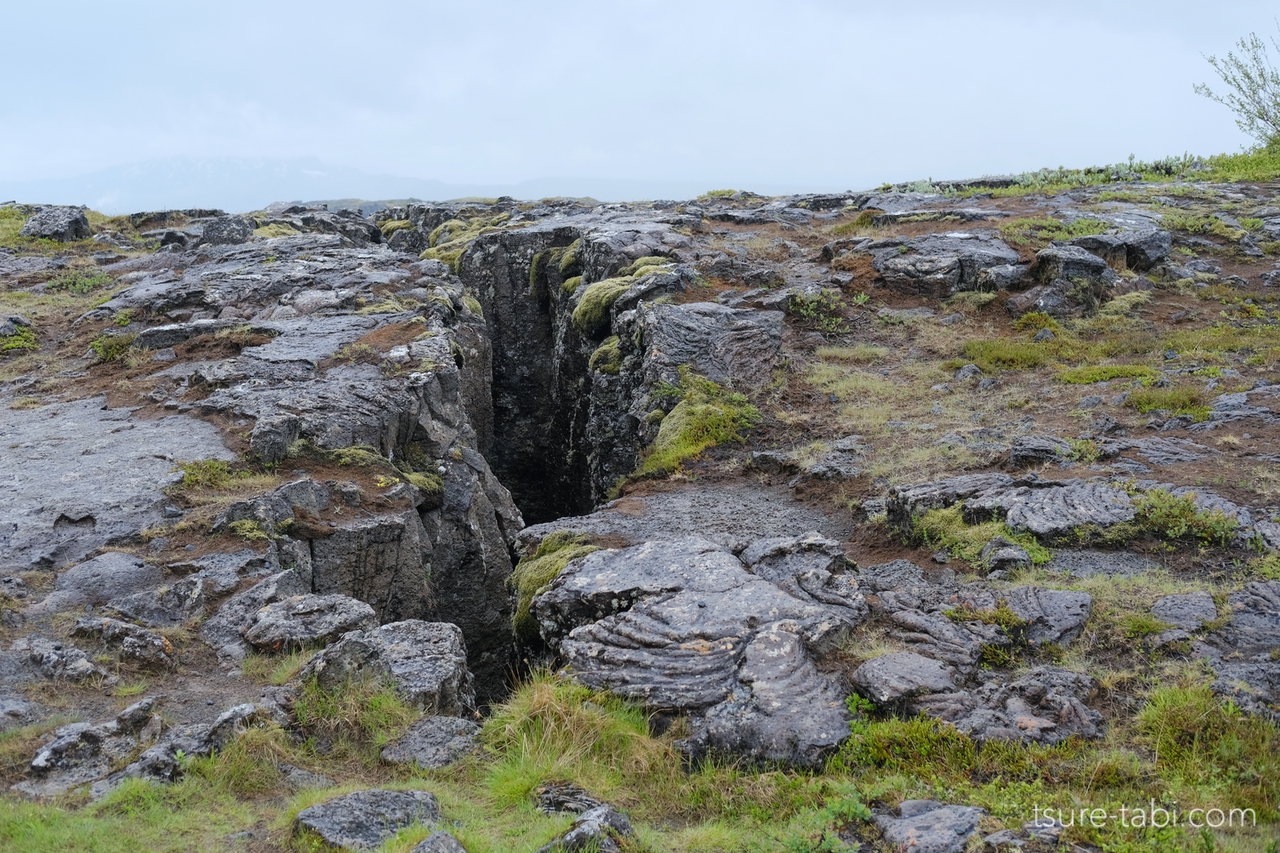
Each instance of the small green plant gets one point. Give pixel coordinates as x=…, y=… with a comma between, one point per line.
x=946, y=528
x=1169, y=516
x=1084, y=450
x=123, y=318
x=205, y=473
x=80, y=282
x=820, y=311
x=108, y=348
x=249, y=530
x=22, y=340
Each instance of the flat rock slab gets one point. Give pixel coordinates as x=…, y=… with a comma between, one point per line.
x=433, y=742
x=925, y=826
x=1085, y=563
x=1188, y=611
x=1047, y=705
x=99, y=580
x=365, y=819
x=891, y=678
x=99, y=475
x=734, y=515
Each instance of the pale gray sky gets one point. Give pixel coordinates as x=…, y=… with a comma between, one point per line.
x=767, y=95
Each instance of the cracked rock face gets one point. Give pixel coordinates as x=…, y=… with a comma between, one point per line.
x=683, y=626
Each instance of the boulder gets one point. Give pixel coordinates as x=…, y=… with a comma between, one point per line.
x=227, y=230
x=99, y=580
x=899, y=676
x=1001, y=555
x=433, y=742
x=425, y=661
x=726, y=345
x=136, y=645
x=602, y=829
x=436, y=842
x=224, y=631
x=1068, y=262
x=64, y=224
x=172, y=604
x=926, y=826
x=363, y=820
x=56, y=660
x=301, y=621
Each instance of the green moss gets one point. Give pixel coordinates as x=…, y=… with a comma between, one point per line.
x=707, y=415
x=249, y=530
x=534, y=572
x=275, y=229
x=23, y=339
x=608, y=356
x=452, y=256
x=1034, y=321
x=359, y=455
x=570, y=257
x=430, y=484
x=108, y=348
x=391, y=226
x=864, y=221
x=1003, y=354
x=536, y=273
x=1091, y=373
x=946, y=528
x=591, y=316
x=570, y=285
x=473, y=305
x=641, y=266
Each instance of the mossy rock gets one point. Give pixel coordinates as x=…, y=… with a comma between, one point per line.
x=640, y=265
x=534, y=572
x=608, y=357
x=275, y=229
x=571, y=285
x=707, y=415
x=391, y=226
x=570, y=257
x=592, y=314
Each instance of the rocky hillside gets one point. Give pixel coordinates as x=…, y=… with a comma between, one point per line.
x=887, y=520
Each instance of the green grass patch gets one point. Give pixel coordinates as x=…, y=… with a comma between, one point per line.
x=355, y=719
x=946, y=528
x=707, y=415
x=996, y=354
x=856, y=354
x=1177, y=400
x=80, y=282
x=1176, y=517
x=1091, y=373
x=1039, y=232
x=205, y=474
x=537, y=570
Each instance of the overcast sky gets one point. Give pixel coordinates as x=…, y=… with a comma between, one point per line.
x=805, y=94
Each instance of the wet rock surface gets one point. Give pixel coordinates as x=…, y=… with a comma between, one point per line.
x=433, y=742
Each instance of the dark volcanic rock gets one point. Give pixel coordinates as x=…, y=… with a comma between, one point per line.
x=433, y=742
x=227, y=230
x=895, y=677
x=926, y=826
x=137, y=645
x=58, y=223
x=364, y=819
x=307, y=620
x=663, y=623
x=1047, y=705
x=597, y=830
x=425, y=661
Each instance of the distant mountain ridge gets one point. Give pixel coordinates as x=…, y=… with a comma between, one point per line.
x=251, y=184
